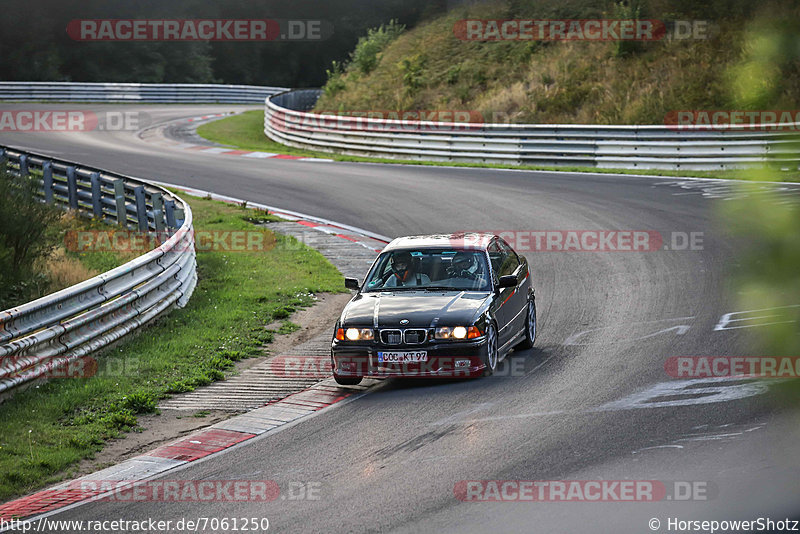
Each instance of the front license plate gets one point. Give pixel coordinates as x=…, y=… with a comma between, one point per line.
x=402, y=357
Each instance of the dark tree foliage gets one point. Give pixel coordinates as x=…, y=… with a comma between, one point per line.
x=34, y=45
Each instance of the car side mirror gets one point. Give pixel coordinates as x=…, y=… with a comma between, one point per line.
x=352, y=283
x=507, y=281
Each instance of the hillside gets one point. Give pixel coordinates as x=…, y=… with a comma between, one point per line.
x=595, y=82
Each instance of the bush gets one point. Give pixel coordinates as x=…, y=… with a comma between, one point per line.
x=630, y=10
x=25, y=236
x=335, y=82
x=365, y=56
x=413, y=68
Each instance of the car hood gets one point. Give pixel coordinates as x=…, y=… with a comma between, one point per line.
x=420, y=308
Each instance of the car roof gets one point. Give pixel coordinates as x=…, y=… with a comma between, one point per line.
x=459, y=240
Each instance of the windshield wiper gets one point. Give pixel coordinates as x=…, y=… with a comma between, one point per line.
x=400, y=288
x=421, y=288
x=444, y=288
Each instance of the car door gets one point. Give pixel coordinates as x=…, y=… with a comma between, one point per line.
x=515, y=303
x=504, y=311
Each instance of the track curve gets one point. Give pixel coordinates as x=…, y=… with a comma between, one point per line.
x=607, y=322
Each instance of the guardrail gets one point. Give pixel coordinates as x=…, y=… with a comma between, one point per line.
x=135, y=92
x=287, y=121
x=48, y=334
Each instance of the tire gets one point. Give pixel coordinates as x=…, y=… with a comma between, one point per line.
x=530, y=327
x=347, y=380
x=491, y=356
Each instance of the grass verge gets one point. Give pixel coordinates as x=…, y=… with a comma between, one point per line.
x=47, y=429
x=246, y=132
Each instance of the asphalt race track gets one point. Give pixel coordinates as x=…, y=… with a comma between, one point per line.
x=591, y=401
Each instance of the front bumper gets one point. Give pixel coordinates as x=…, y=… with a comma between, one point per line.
x=455, y=359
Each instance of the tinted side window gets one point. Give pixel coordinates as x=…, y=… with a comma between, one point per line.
x=510, y=260
x=496, y=256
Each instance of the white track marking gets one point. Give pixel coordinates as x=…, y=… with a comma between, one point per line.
x=679, y=330
x=657, y=447
x=730, y=318
x=678, y=392
x=259, y=155
x=686, y=393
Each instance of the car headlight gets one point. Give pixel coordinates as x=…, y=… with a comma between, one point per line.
x=354, y=334
x=457, y=332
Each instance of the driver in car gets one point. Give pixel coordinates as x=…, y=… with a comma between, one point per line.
x=466, y=267
x=403, y=272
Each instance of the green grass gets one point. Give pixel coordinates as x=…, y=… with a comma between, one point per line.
x=48, y=429
x=246, y=131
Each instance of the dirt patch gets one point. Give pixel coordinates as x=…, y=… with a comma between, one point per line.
x=169, y=425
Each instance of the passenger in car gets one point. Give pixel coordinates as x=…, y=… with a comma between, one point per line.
x=405, y=273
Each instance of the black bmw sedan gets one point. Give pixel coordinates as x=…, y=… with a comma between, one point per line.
x=436, y=306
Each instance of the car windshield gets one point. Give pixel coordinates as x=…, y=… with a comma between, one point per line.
x=444, y=269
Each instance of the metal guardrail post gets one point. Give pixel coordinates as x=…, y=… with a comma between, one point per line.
x=97, y=312
x=97, y=195
x=119, y=198
x=47, y=177
x=158, y=211
x=169, y=210
x=141, y=208
x=72, y=188
x=179, y=216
